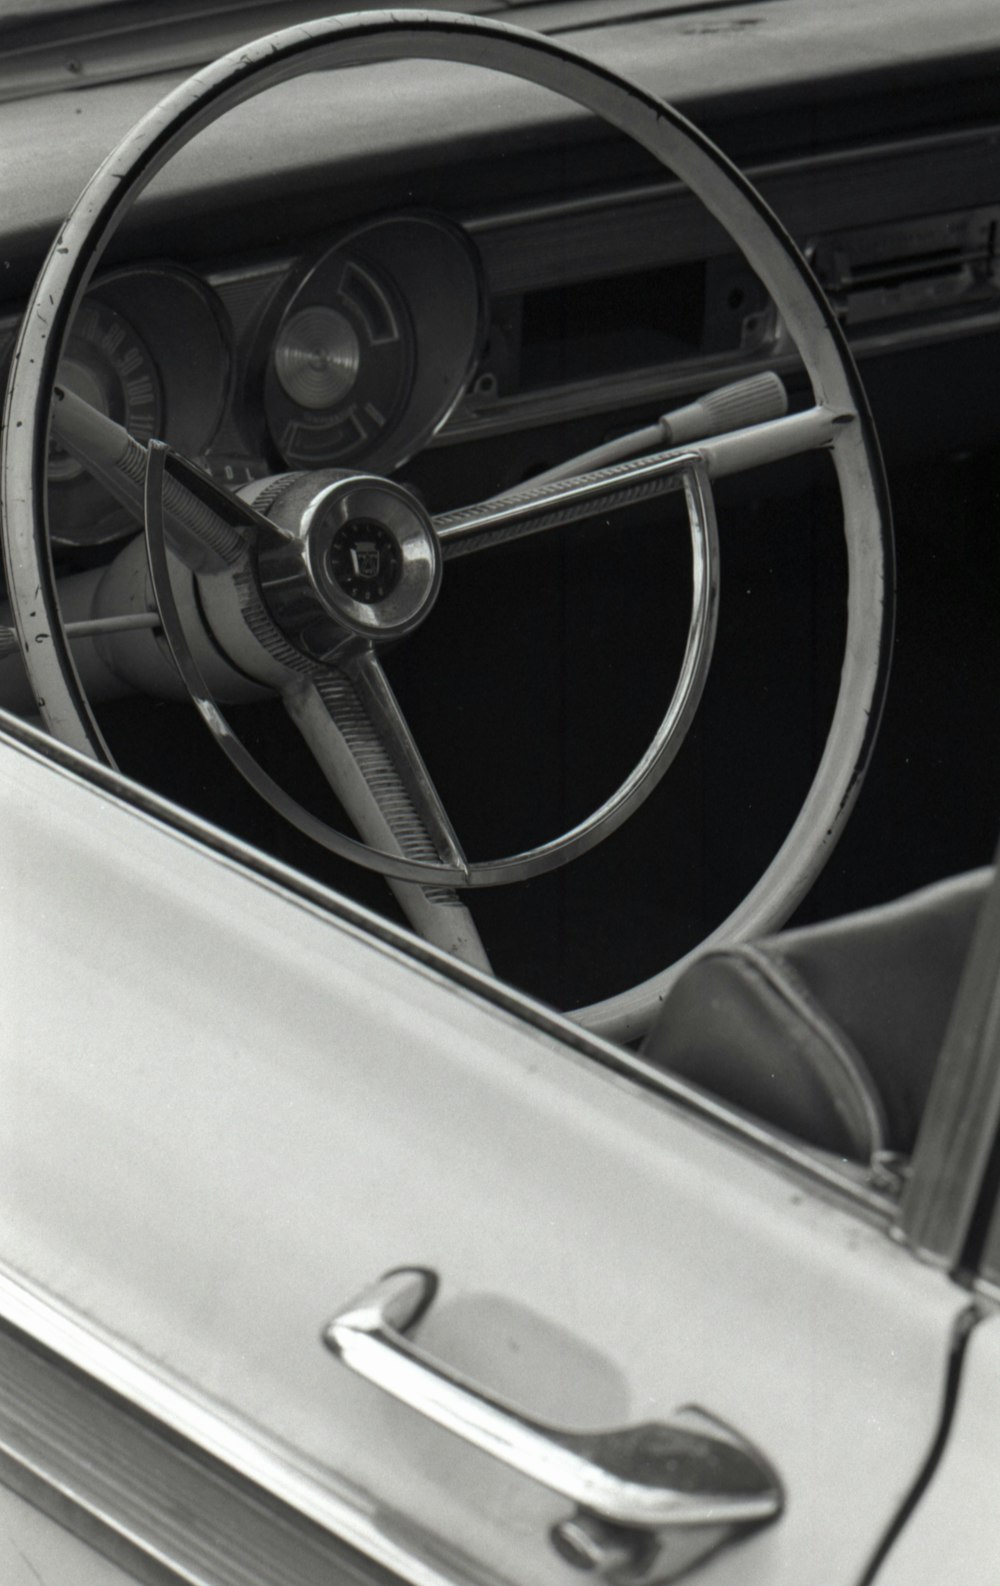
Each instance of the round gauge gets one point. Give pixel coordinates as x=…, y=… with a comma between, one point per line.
x=374, y=345
x=107, y=365
x=341, y=365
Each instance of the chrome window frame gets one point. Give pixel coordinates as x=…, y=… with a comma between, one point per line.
x=949, y=1213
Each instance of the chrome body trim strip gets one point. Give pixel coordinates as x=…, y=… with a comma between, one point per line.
x=171, y=1480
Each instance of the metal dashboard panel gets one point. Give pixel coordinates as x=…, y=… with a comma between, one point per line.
x=226, y=1113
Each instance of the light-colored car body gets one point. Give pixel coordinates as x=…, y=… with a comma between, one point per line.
x=228, y=1109
x=231, y=1100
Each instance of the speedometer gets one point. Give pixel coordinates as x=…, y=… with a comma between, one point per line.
x=341, y=367
x=107, y=364
x=372, y=343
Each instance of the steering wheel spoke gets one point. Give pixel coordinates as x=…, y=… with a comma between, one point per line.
x=351, y=720
x=555, y=502
x=206, y=527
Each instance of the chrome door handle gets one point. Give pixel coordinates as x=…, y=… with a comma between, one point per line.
x=659, y=1474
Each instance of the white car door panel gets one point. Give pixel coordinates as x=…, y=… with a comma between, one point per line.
x=953, y=1533
x=261, y=1111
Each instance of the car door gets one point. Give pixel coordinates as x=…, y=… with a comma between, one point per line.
x=951, y=1217
x=237, y=1102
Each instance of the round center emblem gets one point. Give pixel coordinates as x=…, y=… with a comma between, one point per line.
x=365, y=560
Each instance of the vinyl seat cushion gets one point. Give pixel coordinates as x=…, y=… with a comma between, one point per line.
x=829, y=1032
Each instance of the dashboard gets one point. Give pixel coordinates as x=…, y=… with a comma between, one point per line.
x=418, y=326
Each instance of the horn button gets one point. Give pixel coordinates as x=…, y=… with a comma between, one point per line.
x=353, y=556
x=365, y=560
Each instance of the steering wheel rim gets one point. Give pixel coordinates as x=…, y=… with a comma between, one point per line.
x=375, y=37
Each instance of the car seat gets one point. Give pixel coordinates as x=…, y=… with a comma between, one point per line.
x=830, y=1032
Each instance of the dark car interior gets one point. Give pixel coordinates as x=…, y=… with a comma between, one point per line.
x=525, y=284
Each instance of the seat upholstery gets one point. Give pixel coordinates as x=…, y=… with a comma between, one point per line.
x=829, y=1032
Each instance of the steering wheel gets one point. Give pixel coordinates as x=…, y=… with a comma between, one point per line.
x=267, y=575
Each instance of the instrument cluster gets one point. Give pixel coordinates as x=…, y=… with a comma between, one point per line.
x=350, y=355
